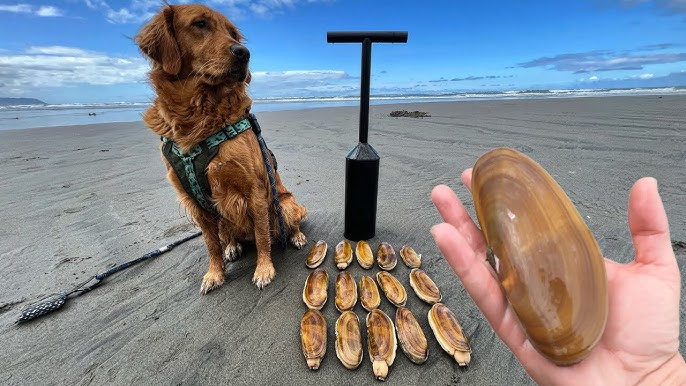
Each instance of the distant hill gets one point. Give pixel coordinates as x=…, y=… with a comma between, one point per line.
x=20, y=102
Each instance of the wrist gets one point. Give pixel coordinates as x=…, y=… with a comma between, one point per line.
x=672, y=372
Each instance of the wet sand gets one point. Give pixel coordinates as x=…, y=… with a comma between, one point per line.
x=79, y=199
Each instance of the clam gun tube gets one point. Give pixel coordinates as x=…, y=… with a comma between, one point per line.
x=362, y=162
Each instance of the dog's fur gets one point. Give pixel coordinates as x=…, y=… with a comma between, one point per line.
x=201, y=87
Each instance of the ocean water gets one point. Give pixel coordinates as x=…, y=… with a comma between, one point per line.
x=23, y=117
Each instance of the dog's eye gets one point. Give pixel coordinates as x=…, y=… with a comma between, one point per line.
x=202, y=24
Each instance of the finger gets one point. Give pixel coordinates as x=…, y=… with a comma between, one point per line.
x=454, y=213
x=648, y=224
x=467, y=178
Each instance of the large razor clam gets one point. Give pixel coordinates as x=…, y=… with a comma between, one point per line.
x=315, y=290
x=317, y=254
x=346, y=291
x=411, y=258
x=349, y=340
x=343, y=254
x=313, y=337
x=369, y=293
x=364, y=254
x=385, y=257
x=424, y=287
x=449, y=333
x=392, y=288
x=382, y=343
x=549, y=265
x=411, y=336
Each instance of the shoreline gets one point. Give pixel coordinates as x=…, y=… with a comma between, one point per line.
x=78, y=199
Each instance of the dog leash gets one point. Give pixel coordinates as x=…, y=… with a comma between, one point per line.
x=277, y=205
x=53, y=302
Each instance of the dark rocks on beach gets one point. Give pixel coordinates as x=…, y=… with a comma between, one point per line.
x=409, y=114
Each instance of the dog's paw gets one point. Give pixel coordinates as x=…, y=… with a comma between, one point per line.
x=211, y=280
x=298, y=240
x=232, y=252
x=263, y=275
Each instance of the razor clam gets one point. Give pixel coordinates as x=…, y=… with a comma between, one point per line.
x=392, y=288
x=411, y=258
x=381, y=343
x=549, y=265
x=411, y=336
x=317, y=254
x=449, y=333
x=315, y=290
x=346, y=291
x=349, y=340
x=385, y=257
x=364, y=254
x=369, y=293
x=424, y=287
x=343, y=254
x=313, y=337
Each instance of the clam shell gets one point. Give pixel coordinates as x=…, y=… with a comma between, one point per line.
x=313, y=338
x=385, y=257
x=346, y=291
x=548, y=263
x=369, y=293
x=315, y=290
x=411, y=336
x=411, y=258
x=382, y=342
x=392, y=288
x=343, y=254
x=317, y=254
x=449, y=333
x=424, y=287
x=364, y=254
x=349, y=340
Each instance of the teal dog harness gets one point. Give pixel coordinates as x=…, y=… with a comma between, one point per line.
x=191, y=167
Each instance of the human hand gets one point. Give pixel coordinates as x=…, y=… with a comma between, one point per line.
x=641, y=338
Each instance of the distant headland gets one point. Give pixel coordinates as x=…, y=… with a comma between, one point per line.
x=21, y=102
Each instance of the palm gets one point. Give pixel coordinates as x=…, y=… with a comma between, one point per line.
x=643, y=322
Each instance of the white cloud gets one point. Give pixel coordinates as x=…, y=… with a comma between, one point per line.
x=646, y=76
x=301, y=83
x=56, y=66
x=42, y=11
x=593, y=78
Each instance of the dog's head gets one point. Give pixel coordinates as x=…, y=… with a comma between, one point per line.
x=195, y=40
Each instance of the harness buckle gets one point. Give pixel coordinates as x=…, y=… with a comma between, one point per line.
x=253, y=123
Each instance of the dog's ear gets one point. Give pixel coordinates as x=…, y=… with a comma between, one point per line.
x=157, y=41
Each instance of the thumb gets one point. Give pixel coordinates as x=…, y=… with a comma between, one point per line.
x=648, y=224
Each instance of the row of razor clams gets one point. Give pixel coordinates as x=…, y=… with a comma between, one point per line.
x=382, y=334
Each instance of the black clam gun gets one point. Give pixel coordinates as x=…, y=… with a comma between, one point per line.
x=362, y=162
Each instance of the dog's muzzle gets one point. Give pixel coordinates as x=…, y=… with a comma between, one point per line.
x=240, y=52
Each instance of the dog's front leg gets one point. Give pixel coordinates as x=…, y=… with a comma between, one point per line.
x=264, y=273
x=210, y=231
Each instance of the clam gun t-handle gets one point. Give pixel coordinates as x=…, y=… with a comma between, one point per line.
x=360, y=36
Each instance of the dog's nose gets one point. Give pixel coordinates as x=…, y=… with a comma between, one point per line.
x=240, y=52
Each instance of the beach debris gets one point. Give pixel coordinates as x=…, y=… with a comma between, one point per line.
x=317, y=254
x=343, y=254
x=449, y=333
x=411, y=336
x=541, y=250
x=385, y=256
x=369, y=293
x=315, y=290
x=346, y=291
x=411, y=258
x=392, y=288
x=313, y=337
x=364, y=254
x=408, y=114
x=424, y=287
x=382, y=343
x=349, y=340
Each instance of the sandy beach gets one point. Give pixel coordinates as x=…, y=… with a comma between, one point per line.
x=78, y=199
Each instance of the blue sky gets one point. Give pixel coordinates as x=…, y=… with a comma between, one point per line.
x=80, y=51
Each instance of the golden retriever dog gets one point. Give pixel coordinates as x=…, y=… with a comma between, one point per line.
x=199, y=71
